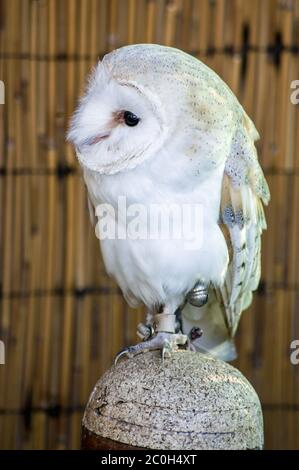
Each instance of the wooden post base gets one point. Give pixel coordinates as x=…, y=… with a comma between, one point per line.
x=92, y=441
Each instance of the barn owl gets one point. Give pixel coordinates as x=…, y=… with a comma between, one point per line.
x=158, y=127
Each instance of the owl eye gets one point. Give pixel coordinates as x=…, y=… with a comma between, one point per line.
x=131, y=119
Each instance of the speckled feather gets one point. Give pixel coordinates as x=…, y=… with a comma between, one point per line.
x=195, y=143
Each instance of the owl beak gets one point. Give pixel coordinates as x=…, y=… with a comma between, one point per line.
x=96, y=139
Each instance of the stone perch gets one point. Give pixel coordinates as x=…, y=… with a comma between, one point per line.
x=192, y=402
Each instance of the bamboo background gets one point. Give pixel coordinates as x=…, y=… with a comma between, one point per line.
x=62, y=319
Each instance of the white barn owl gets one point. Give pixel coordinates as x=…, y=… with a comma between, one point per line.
x=158, y=127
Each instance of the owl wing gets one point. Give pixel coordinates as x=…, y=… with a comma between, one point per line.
x=242, y=221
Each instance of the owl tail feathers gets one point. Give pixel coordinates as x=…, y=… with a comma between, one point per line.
x=215, y=339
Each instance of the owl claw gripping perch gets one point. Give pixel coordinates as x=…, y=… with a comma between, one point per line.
x=162, y=336
x=166, y=342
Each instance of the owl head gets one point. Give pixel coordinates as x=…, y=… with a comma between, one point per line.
x=139, y=98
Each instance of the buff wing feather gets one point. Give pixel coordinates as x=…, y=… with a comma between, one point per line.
x=242, y=219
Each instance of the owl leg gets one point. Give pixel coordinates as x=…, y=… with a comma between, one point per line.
x=146, y=330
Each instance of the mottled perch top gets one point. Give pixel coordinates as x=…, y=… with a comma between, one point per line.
x=193, y=402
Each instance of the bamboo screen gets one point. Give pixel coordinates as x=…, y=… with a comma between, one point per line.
x=62, y=319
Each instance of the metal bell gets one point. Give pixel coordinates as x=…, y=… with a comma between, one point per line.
x=198, y=296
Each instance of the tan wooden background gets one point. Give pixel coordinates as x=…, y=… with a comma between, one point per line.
x=62, y=319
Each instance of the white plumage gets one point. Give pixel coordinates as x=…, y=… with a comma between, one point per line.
x=193, y=144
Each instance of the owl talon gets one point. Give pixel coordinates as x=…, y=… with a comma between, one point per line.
x=167, y=349
x=191, y=347
x=122, y=353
